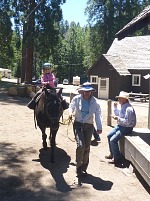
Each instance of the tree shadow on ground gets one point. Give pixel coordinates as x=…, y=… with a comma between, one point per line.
x=7, y=99
x=57, y=169
x=13, y=175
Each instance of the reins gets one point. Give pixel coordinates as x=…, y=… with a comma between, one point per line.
x=68, y=122
x=35, y=122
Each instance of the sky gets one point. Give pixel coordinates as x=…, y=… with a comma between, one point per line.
x=73, y=10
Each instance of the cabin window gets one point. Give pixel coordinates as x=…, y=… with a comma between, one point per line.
x=136, y=80
x=102, y=84
x=93, y=79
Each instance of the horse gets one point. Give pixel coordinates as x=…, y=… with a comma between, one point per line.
x=47, y=114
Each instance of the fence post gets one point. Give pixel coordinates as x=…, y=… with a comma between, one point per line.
x=109, y=112
x=18, y=80
x=71, y=97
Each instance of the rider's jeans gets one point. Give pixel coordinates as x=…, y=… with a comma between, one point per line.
x=114, y=136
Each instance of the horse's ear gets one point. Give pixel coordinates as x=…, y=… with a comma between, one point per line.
x=59, y=92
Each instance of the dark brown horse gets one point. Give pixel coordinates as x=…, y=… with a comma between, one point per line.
x=47, y=114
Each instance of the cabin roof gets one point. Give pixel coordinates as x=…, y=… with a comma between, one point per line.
x=117, y=63
x=129, y=53
x=135, y=21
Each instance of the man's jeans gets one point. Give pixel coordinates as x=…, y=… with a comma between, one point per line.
x=114, y=136
x=83, y=134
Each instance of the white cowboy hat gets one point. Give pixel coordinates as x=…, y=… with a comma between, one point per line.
x=123, y=94
x=87, y=86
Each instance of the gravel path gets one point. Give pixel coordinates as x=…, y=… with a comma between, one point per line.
x=25, y=171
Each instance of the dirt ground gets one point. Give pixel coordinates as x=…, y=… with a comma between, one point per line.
x=25, y=171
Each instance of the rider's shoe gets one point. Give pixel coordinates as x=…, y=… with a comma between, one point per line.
x=31, y=104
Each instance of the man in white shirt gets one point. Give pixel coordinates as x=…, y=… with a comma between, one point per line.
x=85, y=106
x=126, y=121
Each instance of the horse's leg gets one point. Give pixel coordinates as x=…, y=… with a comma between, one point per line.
x=44, y=136
x=52, y=144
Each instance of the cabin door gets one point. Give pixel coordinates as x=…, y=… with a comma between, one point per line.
x=103, y=88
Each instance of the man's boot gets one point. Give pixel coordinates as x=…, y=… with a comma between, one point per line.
x=79, y=171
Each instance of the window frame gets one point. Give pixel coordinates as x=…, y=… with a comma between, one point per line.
x=94, y=76
x=133, y=79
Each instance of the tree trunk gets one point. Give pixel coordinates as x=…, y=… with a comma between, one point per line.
x=23, y=62
x=29, y=65
x=23, y=53
x=28, y=44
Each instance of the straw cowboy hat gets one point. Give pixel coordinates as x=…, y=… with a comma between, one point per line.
x=87, y=86
x=123, y=94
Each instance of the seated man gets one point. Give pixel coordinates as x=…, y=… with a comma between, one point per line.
x=126, y=120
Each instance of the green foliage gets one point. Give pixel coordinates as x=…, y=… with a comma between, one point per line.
x=107, y=18
x=17, y=47
x=6, y=51
x=40, y=35
x=68, y=55
x=37, y=21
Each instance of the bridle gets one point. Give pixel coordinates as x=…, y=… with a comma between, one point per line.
x=50, y=104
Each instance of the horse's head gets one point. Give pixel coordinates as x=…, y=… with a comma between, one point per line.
x=53, y=107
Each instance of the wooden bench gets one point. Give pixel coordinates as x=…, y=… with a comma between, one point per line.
x=139, y=96
x=137, y=151
x=132, y=98
x=143, y=100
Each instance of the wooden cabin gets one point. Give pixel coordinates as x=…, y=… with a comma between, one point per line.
x=126, y=62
